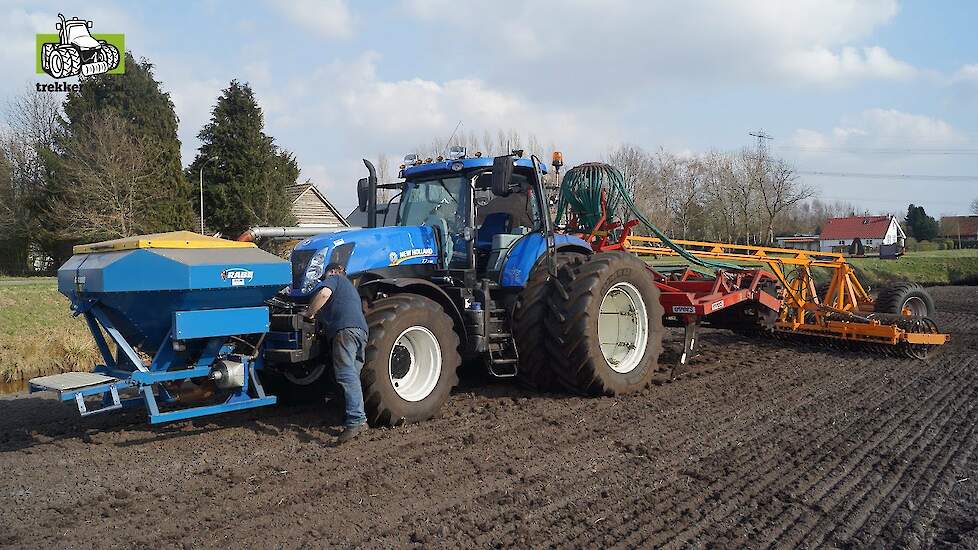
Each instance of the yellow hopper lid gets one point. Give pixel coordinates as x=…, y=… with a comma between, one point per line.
x=173, y=239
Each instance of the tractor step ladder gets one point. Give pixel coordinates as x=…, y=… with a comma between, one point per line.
x=503, y=357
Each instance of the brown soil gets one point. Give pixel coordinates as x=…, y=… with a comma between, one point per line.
x=775, y=446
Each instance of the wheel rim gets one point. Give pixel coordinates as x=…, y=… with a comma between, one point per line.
x=623, y=327
x=915, y=306
x=56, y=64
x=306, y=374
x=415, y=364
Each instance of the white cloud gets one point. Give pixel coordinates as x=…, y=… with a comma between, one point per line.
x=615, y=45
x=328, y=18
x=821, y=65
x=882, y=128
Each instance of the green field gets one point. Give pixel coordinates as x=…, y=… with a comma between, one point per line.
x=38, y=335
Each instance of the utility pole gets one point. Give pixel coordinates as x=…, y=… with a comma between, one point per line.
x=202, y=192
x=762, y=139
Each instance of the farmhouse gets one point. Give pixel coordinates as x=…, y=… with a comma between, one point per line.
x=312, y=209
x=869, y=232
x=963, y=230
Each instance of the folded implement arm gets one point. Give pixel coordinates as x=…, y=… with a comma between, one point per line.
x=842, y=312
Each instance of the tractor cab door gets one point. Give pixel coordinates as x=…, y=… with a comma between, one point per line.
x=443, y=203
x=502, y=220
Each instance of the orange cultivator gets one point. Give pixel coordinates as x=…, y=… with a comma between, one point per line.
x=843, y=311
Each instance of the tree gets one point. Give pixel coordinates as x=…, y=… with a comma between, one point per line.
x=780, y=190
x=139, y=99
x=109, y=166
x=33, y=121
x=919, y=225
x=974, y=207
x=248, y=174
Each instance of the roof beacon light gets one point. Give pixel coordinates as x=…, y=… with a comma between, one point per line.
x=456, y=152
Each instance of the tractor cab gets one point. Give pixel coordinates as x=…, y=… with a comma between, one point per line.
x=477, y=223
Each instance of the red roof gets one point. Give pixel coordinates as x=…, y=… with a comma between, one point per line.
x=863, y=227
x=952, y=226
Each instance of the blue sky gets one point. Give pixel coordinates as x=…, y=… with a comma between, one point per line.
x=843, y=86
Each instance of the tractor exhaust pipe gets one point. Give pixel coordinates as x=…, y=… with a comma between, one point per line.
x=371, y=194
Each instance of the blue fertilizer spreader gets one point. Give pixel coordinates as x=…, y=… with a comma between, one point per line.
x=179, y=319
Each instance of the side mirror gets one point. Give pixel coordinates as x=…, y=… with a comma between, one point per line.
x=363, y=194
x=88, y=24
x=57, y=26
x=502, y=173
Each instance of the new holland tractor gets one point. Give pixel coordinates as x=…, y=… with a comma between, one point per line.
x=77, y=52
x=463, y=274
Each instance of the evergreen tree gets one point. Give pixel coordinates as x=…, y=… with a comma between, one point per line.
x=245, y=173
x=919, y=225
x=138, y=99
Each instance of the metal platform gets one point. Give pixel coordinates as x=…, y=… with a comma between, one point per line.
x=70, y=381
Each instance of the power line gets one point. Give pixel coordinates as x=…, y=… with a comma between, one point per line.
x=882, y=150
x=861, y=175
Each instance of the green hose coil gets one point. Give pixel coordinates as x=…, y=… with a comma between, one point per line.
x=580, y=195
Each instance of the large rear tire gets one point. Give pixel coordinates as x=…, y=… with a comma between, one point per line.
x=605, y=327
x=905, y=299
x=529, y=316
x=410, y=361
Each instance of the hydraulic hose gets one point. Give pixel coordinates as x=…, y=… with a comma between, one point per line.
x=580, y=194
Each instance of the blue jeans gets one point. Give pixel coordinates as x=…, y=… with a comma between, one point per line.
x=348, y=346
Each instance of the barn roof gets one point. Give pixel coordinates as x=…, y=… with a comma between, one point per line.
x=863, y=227
x=952, y=226
x=297, y=190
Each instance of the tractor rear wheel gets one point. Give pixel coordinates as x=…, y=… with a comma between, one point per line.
x=410, y=361
x=605, y=327
x=905, y=299
x=528, y=324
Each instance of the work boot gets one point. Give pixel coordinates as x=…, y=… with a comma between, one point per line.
x=350, y=432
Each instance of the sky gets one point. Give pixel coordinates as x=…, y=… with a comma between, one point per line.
x=862, y=96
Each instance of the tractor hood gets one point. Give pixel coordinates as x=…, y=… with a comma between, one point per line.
x=360, y=250
x=86, y=42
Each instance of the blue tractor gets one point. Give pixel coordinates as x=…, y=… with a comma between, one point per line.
x=470, y=269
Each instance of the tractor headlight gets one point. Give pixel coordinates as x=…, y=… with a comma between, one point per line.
x=313, y=272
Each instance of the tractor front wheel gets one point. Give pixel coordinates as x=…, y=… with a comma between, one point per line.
x=410, y=361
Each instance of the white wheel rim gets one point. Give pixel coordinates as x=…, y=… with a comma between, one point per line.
x=414, y=364
x=623, y=327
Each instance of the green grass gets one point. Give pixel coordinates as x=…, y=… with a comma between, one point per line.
x=38, y=335
x=938, y=267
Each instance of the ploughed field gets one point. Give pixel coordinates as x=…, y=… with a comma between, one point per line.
x=774, y=445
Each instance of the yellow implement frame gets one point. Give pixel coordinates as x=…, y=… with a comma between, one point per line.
x=844, y=311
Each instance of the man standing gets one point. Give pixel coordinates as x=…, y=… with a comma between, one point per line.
x=339, y=314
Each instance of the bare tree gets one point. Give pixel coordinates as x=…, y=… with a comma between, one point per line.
x=107, y=165
x=780, y=189
x=686, y=195
x=974, y=207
